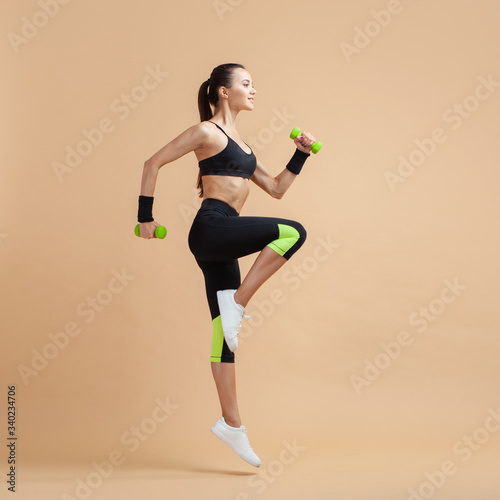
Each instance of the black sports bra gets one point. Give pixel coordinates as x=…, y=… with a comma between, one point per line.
x=232, y=161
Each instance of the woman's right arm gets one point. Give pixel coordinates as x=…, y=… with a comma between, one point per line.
x=191, y=139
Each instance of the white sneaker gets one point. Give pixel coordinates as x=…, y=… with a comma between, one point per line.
x=236, y=438
x=231, y=315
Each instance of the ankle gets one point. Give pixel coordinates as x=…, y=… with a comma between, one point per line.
x=239, y=299
x=233, y=422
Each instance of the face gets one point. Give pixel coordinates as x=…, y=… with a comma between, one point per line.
x=241, y=94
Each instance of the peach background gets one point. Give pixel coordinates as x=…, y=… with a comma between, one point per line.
x=392, y=250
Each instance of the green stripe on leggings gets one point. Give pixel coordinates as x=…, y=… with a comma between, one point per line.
x=217, y=340
x=288, y=236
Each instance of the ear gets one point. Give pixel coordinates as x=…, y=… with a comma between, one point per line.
x=223, y=93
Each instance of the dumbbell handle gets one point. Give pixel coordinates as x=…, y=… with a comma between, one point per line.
x=315, y=147
x=160, y=231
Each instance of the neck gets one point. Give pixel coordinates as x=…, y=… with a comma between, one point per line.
x=226, y=116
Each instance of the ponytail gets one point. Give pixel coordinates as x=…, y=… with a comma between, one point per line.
x=203, y=102
x=205, y=114
x=209, y=95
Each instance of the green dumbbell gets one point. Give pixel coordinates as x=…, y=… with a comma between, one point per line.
x=315, y=146
x=160, y=231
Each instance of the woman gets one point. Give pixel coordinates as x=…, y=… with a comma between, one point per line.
x=219, y=236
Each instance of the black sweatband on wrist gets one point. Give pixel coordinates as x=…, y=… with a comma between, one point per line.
x=297, y=161
x=145, y=213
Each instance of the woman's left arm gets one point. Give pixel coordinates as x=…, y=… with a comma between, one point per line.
x=278, y=186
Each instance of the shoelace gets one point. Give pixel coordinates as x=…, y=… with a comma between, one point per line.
x=247, y=443
x=246, y=316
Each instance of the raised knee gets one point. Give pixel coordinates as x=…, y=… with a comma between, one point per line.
x=302, y=231
x=300, y=241
x=291, y=237
x=299, y=233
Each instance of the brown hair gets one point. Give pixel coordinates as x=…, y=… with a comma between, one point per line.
x=208, y=95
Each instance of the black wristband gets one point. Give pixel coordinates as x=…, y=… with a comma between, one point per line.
x=145, y=213
x=297, y=161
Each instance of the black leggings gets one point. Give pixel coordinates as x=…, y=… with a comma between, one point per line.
x=218, y=237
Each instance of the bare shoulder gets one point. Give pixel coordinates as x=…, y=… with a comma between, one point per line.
x=206, y=133
x=193, y=138
x=205, y=130
x=206, y=125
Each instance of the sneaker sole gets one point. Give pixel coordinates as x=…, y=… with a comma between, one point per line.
x=223, y=439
